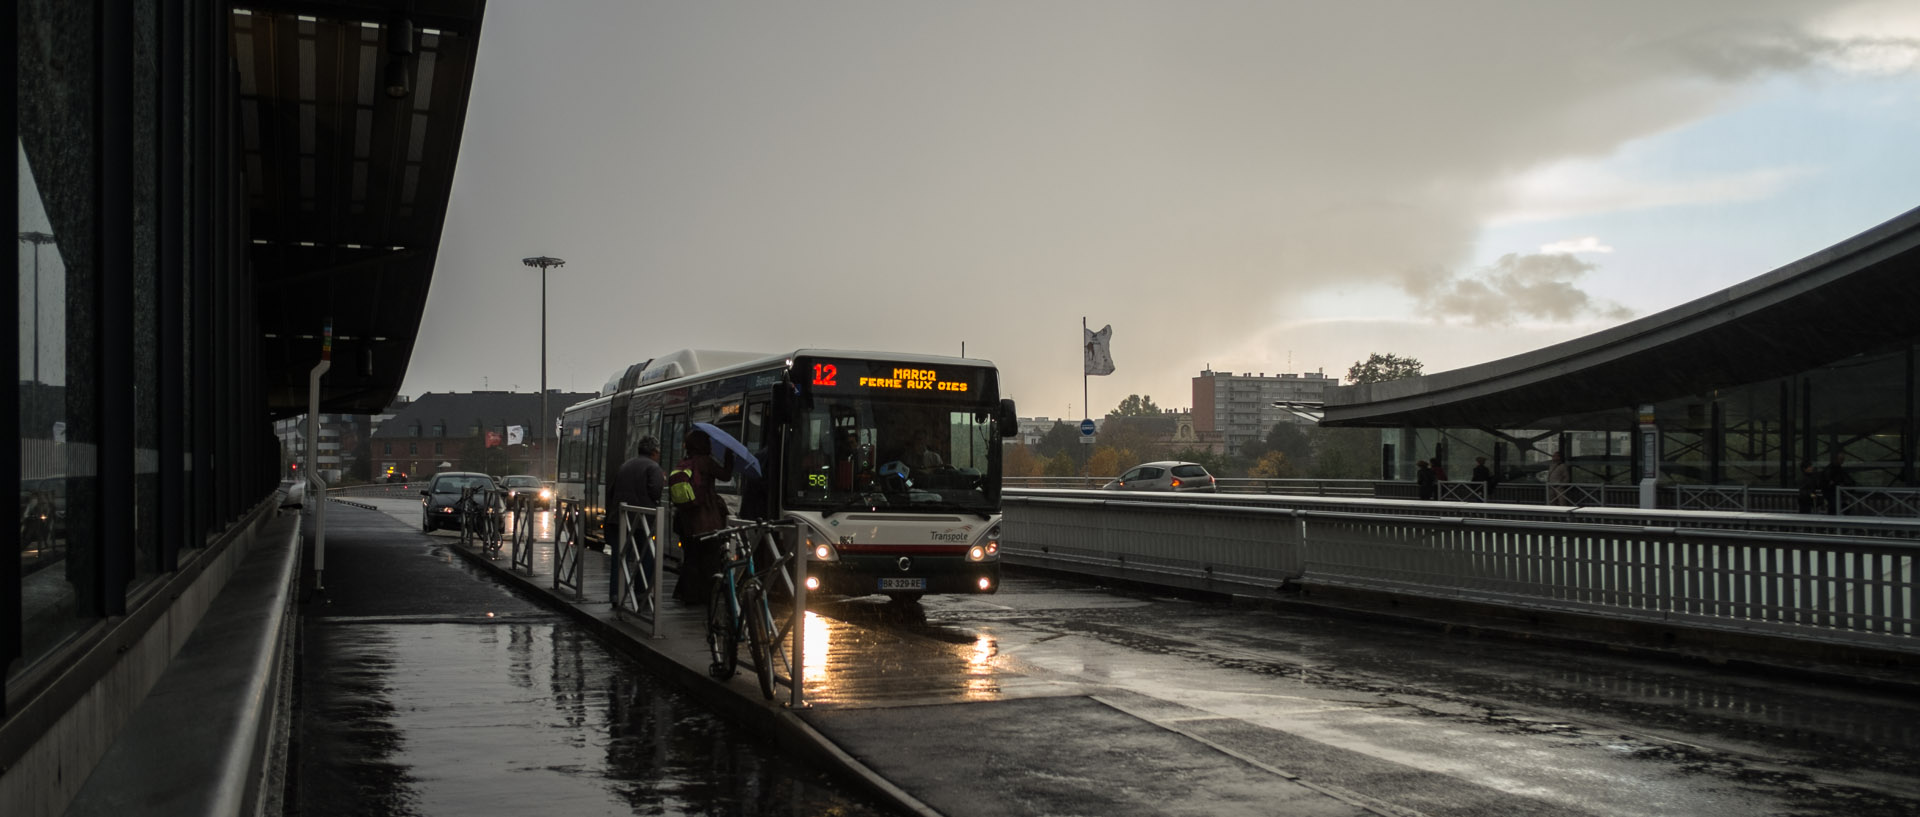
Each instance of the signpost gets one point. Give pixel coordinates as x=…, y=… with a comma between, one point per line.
x=1086, y=431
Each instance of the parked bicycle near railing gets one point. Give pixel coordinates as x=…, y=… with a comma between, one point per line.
x=741, y=606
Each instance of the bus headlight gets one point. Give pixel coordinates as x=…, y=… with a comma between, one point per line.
x=977, y=553
x=822, y=552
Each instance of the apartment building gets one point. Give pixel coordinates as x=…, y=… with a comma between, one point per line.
x=1240, y=407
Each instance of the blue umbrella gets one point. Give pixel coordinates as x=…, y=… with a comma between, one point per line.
x=743, y=459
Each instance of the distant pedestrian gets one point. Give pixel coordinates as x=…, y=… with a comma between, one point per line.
x=1557, y=478
x=1484, y=477
x=1429, y=486
x=1835, y=478
x=1813, y=489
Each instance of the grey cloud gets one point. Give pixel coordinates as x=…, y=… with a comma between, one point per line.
x=1736, y=53
x=1536, y=286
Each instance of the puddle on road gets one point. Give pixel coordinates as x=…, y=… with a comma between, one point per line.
x=526, y=717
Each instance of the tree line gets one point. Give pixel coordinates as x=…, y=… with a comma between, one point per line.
x=1136, y=431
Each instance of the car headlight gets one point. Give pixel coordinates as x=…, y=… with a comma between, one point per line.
x=546, y=493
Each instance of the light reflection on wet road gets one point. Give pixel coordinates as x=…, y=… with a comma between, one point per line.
x=524, y=717
x=428, y=688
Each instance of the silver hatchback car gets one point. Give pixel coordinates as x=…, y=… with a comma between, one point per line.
x=1165, y=476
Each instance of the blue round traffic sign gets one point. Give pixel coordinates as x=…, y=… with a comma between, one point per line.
x=1086, y=428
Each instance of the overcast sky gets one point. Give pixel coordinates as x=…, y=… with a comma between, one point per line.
x=1253, y=186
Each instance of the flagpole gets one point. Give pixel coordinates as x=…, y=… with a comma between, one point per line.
x=1087, y=413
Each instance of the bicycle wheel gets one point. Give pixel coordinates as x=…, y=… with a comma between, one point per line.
x=753, y=603
x=723, y=633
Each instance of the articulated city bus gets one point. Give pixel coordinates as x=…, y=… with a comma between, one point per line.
x=890, y=463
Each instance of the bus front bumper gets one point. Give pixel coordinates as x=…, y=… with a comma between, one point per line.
x=896, y=575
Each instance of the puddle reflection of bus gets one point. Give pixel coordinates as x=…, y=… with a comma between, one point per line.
x=889, y=463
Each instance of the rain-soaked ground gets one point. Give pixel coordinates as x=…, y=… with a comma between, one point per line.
x=1401, y=720
x=1450, y=724
x=427, y=689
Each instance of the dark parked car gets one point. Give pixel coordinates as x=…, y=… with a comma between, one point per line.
x=1165, y=476
x=442, y=493
x=517, y=484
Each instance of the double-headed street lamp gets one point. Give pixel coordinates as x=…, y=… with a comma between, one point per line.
x=543, y=262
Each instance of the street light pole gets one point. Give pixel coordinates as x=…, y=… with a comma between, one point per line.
x=543, y=262
x=37, y=238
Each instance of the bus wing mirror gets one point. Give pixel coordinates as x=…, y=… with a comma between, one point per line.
x=782, y=402
x=1008, y=419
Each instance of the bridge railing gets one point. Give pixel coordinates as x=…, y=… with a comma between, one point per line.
x=1878, y=501
x=1839, y=579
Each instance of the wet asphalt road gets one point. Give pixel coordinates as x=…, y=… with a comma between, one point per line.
x=1403, y=720
x=427, y=688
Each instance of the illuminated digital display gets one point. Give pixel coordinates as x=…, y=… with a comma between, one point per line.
x=828, y=376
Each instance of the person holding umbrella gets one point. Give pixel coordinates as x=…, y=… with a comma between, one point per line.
x=703, y=513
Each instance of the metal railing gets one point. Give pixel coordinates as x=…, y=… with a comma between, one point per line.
x=1891, y=502
x=774, y=544
x=638, y=562
x=569, y=538
x=1835, y=579
x=1710, y=497
x=524, y=523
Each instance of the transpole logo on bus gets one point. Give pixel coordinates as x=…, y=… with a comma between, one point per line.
x=950, y=535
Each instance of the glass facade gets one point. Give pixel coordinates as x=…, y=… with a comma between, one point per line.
x=137, y=443
x=1758, y=435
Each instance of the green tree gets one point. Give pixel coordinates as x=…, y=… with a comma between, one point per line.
x=1061, y=465
x=1379, y=368
x=1061, y=438
x=1136, y=406
x=1347, y=453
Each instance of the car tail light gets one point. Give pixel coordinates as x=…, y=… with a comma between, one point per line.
x=1176, y=482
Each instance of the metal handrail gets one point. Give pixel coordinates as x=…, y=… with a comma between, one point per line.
x=1819, y=578
x=638, y=560
x=523, y=527
x=568, y=540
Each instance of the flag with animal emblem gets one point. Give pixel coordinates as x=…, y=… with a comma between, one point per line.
x=493, y=439
x=516, y=435
x=1099, y=360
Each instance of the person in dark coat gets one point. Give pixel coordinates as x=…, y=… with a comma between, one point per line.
x=1429, y=484
x=1812, y=488
x=1484, y=476
x=640, y=480
x=1835, y=477
x=699, y=558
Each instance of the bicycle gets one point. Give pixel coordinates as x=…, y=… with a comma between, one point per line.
x=480, y=521
x=740, y=604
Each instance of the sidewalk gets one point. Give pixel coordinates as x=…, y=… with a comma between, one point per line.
x=932, y=735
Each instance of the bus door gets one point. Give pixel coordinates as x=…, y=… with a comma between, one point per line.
x=596, y=497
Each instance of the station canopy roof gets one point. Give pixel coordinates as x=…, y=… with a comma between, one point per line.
x=346, y=185
x=1859, y=296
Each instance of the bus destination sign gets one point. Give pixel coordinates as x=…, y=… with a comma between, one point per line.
x=875, y=375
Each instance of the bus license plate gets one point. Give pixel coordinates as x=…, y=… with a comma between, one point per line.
x=903, y=584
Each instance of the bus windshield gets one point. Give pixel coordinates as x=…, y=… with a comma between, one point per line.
x=847, y=452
